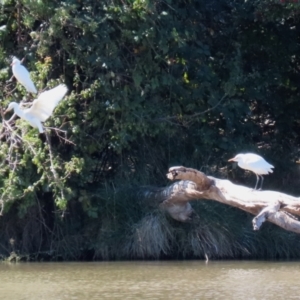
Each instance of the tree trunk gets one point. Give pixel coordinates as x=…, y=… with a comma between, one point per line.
x=275, y=207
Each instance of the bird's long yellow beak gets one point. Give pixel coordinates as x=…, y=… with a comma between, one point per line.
x=231, y=159
x=298, y=162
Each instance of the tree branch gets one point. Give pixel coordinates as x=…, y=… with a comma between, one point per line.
x=271, y=206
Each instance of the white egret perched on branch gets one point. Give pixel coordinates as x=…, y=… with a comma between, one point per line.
x=42, y=108
x=22, y=75
x=254, y=163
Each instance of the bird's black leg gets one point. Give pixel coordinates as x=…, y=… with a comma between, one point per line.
x=262, y=181
x=257, y=180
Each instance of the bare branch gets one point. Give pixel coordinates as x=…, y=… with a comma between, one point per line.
x=165, y=119
x=275, y=207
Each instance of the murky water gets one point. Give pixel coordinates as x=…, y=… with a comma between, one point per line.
x=150, y=280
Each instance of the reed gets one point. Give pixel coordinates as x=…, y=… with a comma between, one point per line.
x=123, y=227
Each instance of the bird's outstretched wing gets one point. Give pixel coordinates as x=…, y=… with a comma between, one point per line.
x=42, y=108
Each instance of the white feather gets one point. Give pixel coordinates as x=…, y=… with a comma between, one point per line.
x=254, y=163
x=42, y=108
x=23, y=76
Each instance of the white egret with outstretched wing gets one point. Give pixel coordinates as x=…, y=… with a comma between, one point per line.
x=42, y=108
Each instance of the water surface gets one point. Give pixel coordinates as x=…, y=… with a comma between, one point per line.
x=150, y=280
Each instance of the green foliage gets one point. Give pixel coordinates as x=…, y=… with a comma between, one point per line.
x=151, y=84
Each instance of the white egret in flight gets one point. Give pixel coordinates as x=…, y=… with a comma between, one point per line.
x=254, y=163
x=42, y=108
x=22, y=75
